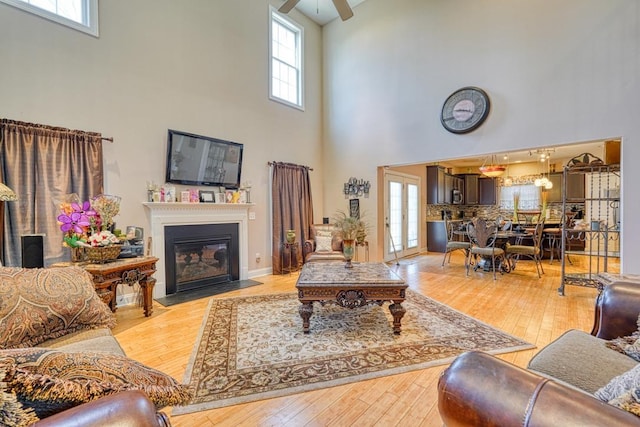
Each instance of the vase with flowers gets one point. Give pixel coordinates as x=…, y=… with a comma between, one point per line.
x=85, y=226
x=352, y=230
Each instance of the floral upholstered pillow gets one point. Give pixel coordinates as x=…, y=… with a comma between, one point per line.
x=623, y=391
x=323, y=243
x=629, y=345
x=50, y=381
x=38, y=304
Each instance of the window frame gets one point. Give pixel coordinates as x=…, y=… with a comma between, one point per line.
x=274, y=15
x=91, y=13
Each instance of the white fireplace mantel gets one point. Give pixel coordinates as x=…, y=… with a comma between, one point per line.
x=162, y=215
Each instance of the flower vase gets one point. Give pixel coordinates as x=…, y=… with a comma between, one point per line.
x=291, y=236
x=348, y=248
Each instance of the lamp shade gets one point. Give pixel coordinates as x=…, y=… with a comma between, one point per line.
x=492, y=171
x=7, y=194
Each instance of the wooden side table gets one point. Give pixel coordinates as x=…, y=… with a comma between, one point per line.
x=292, y=252
x=107, y=277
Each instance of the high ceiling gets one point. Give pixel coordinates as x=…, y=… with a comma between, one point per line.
x=322, y=11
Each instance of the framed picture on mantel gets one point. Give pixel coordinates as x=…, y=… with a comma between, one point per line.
x=207, y=196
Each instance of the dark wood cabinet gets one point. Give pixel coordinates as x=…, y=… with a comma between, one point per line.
x=487, y=191
x=471, y=196
x=435, y=185
x=436, y=236
x=440, y=185
x=574, y=187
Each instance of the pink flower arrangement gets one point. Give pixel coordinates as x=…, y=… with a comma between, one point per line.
x=85, y=223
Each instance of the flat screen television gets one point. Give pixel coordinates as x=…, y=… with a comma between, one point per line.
x=202, y=160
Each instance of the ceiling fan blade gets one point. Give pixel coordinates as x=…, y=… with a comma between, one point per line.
x=343, y=8
x=287, y=6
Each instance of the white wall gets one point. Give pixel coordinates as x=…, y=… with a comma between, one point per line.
x=556, y=72
x=196, y=66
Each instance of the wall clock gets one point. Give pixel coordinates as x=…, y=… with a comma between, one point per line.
x=465, y=110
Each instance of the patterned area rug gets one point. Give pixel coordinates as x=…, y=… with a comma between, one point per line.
x=253, y=348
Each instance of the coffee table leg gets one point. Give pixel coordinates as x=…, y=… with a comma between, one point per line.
x=306, y=310
x=397, y=311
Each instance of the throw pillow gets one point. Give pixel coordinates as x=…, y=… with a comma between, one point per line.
x=37, y=304
x=323, y=243
x=324, y=233
x=629, y=345
x=12, y=413
x=623, y=391
x=50, y=381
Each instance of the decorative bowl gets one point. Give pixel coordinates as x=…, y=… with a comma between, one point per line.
x=102, y=254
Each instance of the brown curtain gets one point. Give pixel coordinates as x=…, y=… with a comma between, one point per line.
x=292, y=209
x=42, y=164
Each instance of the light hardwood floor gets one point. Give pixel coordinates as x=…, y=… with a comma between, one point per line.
x=518, y=303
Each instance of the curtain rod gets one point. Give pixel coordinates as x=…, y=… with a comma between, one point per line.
x=284, y=163
x=107, y=139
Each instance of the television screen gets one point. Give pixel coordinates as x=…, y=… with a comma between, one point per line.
x=201, y=160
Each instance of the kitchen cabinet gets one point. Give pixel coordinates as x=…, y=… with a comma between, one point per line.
x=440, y=185
x=435, y=185
x=487, y=191
x=436, y=236
x=471, y=195
x=599, y=237
x=574, y=187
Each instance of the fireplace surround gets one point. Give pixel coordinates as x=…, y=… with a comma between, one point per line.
x=162, y=215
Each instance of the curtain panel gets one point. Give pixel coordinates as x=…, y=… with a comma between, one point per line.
x=43, y=164
x=292, y=210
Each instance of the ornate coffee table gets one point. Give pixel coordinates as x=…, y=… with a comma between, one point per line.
x=366, y=283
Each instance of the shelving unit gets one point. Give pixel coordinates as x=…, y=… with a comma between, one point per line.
x=598, y=239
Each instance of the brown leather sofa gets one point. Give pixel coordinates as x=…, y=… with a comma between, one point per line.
x=478, y=389
x=124, y=409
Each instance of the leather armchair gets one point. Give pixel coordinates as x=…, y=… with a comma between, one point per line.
x=309, y=246
x=123, y=409
x=478, y=389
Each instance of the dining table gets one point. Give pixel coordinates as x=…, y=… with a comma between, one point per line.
x=502, y=238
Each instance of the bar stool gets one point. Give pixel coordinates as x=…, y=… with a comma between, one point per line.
x=554, y=242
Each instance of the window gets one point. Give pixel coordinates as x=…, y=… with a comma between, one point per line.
x=285, y=51
x=528, y=197
x=81, y=15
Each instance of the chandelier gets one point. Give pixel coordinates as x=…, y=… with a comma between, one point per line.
x=356, y=188
x=543, y=181
x=492, y=170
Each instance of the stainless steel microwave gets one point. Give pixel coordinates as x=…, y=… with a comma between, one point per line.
x=456, y=197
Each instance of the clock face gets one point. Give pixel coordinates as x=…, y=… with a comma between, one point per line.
x=465, y=110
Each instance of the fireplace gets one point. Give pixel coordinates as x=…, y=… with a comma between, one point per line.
x=164, y=216
x=201, y=255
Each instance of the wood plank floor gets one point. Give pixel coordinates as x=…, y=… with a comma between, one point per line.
x=518, y=303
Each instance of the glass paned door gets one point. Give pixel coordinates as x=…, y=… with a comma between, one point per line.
x=402, y=212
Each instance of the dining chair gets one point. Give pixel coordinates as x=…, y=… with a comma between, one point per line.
x=534, y=251
x=482, y=236
x=452, y=243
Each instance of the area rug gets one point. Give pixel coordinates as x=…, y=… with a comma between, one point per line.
x=253, y=348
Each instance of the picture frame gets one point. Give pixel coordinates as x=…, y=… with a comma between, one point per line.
x=220, y=198
x=207, y=196
x=228, y=196
x=354, y=208
x=185, y=196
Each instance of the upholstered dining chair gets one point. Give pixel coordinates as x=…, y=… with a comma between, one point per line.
x=453, y=244
x=482, y=236
x=534, y=251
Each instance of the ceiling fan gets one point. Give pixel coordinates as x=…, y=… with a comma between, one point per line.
x=342, y=6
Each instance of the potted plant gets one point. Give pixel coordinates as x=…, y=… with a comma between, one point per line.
x=351, y=228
